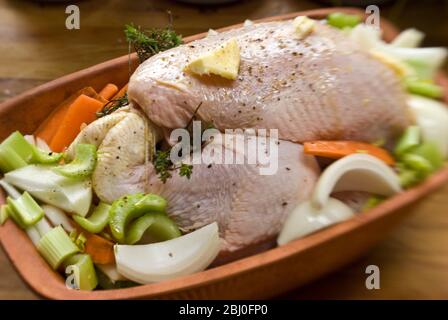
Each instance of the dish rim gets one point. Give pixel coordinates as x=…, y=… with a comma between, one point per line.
x=53, y=286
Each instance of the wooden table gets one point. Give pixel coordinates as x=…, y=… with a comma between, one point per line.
x=36, y=47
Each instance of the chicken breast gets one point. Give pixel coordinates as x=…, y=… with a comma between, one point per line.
x=320, y=87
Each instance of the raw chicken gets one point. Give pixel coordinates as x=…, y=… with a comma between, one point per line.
x=320, y=87
x=248, y=207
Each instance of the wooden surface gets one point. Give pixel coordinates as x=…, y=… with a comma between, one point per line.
x=35, y=47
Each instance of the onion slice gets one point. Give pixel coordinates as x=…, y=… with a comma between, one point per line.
x=356, y=172
x=160, y=261
x=306, y=219
x=432, y=118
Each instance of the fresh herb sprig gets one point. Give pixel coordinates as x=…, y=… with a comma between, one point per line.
x=164, y=166
x=113, y=105
x=150, y=42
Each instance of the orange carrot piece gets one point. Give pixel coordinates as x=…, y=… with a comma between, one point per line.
x=109, y=91
x=121, y=93
x=100, y=249
x=339, y=149
x=48, y=128
x=82, y=110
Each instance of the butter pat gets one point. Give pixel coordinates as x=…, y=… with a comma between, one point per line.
x=223, y=61
x=303, y=26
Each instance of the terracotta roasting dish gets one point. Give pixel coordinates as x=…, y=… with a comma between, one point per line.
x=257, y=276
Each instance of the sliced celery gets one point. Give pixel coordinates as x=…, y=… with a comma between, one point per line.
x=26, y=209
x=158, y=225
x=78, y=239
x=55, y=246
x=15, y=217
x=45, y=157
x=4, y=213
x=372, y=202
x=122, y=211
x=18, y=143
x=431, y=152
x=97, y=220
x=10, y=160
x=424, y=88
x=408, y=177
x=81, y=268
x=16, y=152
x=83, y=164
x=409, y=140
x=342, y=20
x=152, y=202
x=418, y=163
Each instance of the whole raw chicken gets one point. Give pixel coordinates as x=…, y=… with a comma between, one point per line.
x=320, y=87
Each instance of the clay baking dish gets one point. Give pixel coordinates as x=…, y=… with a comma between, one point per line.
x=259, y=276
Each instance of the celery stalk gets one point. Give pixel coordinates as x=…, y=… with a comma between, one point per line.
x=26, y=209
x=18, y=143
x=97, y=220
x=430, y=152
x=83, y=164
x=157, y=225
x=16, y=152
x=409, y=139
x=342, y=20
x=55, y=246
x=4, y=213
x=9, y=159
x=81, y=267
x=424, y=88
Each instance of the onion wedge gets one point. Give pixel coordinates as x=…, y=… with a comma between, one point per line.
x=306, y=219
x=432, y=118
x=356, y=172
x=160, y=261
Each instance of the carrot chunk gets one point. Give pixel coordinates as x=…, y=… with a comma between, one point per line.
x=339, y=149
x=81, y=111
x=100, y=249
x=109, y=91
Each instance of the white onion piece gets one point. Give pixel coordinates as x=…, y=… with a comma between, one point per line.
x=43, y=226
x=434, y=57
x=306, y=219
x=212, y=32
x=366, y=36
x=409, y=38
x=30, y=139
x=58, y=217
x=33, y=234
x=110, y=270
x=248, y=23
x=160, y=261
x=356, y=172
x=10, y=190
x=432, y=118
x=42, y=145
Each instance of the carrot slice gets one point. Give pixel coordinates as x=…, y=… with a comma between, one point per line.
x=121, y=93
x=100, y=249
x=109, y=91
x=339, y=149
x=82, y=110
x=48, y=128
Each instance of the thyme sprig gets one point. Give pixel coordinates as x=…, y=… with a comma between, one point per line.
x=164, y=166
x=113, y=105
x=150, y=42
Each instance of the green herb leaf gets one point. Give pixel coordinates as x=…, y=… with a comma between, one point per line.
x=150, y=42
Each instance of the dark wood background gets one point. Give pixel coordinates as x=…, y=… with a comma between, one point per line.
x=36, y=47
